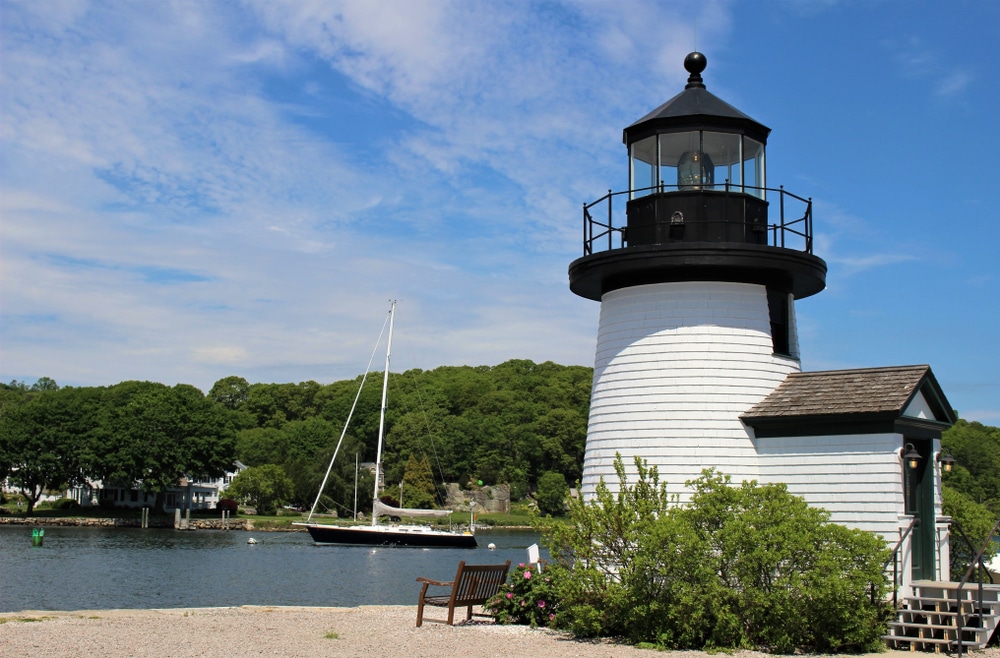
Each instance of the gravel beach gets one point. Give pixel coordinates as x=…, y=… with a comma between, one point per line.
x=367, y=631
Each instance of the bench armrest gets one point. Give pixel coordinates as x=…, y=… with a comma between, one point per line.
x=435, y=582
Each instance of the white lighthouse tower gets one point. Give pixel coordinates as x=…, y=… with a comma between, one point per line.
x=697, y=289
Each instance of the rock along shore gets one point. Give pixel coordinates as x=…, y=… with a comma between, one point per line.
x=115, y=522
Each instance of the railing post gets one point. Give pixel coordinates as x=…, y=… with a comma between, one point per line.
x=781, y=196
x=809, y=226
x=610, y=202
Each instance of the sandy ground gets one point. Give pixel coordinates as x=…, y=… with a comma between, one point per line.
x=368, y=631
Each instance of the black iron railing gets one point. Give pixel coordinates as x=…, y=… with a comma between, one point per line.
x=605, y=225
x=978, y=567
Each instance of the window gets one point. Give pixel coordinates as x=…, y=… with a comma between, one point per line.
x=643, y=158
x=753, y=167
x=778, y=307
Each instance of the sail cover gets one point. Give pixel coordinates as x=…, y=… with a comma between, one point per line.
x=381, y=509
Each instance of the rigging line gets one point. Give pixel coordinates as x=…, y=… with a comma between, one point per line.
x=427, y=423
x=349, y=416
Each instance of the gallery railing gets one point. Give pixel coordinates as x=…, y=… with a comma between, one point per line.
x=605, y=225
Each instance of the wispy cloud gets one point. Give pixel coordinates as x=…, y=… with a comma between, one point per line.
x=915, y=58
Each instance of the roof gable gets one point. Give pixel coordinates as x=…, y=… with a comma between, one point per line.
x=829, y=402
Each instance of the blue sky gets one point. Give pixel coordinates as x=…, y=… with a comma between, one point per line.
x=191, y=190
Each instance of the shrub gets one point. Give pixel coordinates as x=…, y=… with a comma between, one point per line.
x=227, y=505
x=65, y=504
x=739, y=567
x=529, y=598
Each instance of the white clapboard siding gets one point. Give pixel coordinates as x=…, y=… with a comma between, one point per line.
x=676, y=364
x=857, y=478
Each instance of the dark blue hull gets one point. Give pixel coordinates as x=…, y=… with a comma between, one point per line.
x=415, y=536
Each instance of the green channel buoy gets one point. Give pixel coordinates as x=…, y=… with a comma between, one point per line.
x=37, y=534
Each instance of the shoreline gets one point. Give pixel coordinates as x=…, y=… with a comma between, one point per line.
x=369, y=631
x=167, y=523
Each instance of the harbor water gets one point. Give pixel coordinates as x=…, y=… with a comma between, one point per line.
x=101, y=568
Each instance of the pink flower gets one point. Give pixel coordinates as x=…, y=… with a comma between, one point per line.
x=552, y=616
x=541, y=604
x=527, y=575
x=510, y=595
x=520, y=565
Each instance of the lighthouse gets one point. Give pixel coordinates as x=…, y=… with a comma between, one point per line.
x=697, y=267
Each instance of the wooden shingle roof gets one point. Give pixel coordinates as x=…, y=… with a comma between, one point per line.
x=823, y=402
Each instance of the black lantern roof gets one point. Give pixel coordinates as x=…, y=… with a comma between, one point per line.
x=697, y=108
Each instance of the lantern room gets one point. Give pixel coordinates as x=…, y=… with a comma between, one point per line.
x=696, y=170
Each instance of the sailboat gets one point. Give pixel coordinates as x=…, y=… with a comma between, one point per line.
x=394, y=533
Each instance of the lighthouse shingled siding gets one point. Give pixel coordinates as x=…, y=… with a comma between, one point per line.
x=676, y=365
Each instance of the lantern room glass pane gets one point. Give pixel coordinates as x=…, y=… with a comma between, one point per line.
x=724, y=151
x=642, y=157
x=753, y=167
x=675, y=148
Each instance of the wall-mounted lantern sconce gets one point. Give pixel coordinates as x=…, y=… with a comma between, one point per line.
x=946, y=460
x=911, y=456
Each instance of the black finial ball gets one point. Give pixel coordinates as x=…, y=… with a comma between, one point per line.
x=695, y=63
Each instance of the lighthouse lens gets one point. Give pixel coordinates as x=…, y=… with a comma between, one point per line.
x=695, y=171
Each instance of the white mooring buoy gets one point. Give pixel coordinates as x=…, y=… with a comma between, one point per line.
x=251, y=541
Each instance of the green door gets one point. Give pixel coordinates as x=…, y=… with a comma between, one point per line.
x=920, y=503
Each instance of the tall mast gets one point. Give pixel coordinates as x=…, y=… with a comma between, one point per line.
x=381, y=419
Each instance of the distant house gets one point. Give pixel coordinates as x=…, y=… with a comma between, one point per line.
x=200, y=494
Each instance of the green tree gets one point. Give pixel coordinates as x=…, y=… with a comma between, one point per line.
x=152, y=435
x=552, y=493
x=42, y=440
x=972, y=522
x=260, y=445
x=263, y=487
x=976, y=449
x=230, y=392
x=45, y=384
x=418, y=483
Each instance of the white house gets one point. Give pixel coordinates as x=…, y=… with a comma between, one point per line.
x=200, y=494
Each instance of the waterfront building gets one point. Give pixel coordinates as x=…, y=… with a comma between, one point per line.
x=189, y=494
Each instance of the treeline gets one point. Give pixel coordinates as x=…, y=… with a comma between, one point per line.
x=132, y=432
x=517, y=423
x=511, y=423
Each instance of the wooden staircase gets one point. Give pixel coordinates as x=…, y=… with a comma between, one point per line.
x=928, y=619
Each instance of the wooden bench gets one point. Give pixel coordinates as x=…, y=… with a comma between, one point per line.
x=474, y=584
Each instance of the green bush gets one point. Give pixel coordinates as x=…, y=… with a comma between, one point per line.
x=738, y=567
x=65, y=504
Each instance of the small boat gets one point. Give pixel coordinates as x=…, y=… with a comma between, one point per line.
x=394, y=533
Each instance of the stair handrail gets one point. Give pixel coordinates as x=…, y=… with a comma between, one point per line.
x=894, y=558
x=977, y=565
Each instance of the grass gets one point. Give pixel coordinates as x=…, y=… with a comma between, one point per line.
x=332, y=635
x=514, y=518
